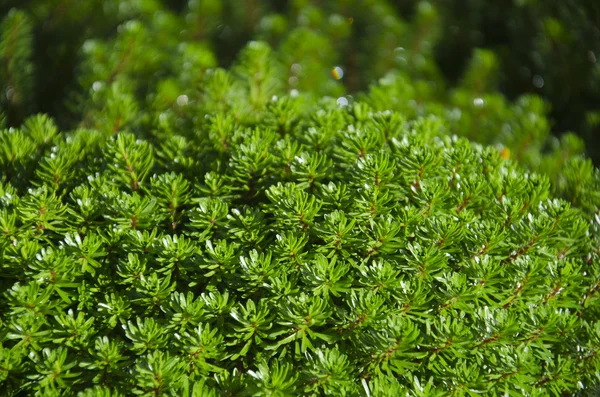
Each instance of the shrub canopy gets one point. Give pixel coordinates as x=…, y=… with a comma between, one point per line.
x=255, y=230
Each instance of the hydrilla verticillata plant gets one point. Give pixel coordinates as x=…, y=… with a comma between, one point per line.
x=253, y=231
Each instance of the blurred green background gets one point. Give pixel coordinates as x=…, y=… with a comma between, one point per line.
x=550, y=48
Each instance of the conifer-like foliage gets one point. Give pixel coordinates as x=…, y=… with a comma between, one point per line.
x=254, y=231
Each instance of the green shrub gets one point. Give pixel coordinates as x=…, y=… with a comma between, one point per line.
x=287, y=246
x=203, y=231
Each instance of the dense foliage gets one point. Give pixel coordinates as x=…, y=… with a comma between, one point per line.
x=178, y=228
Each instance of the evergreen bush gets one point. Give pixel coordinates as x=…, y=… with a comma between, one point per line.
x=179, y=228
